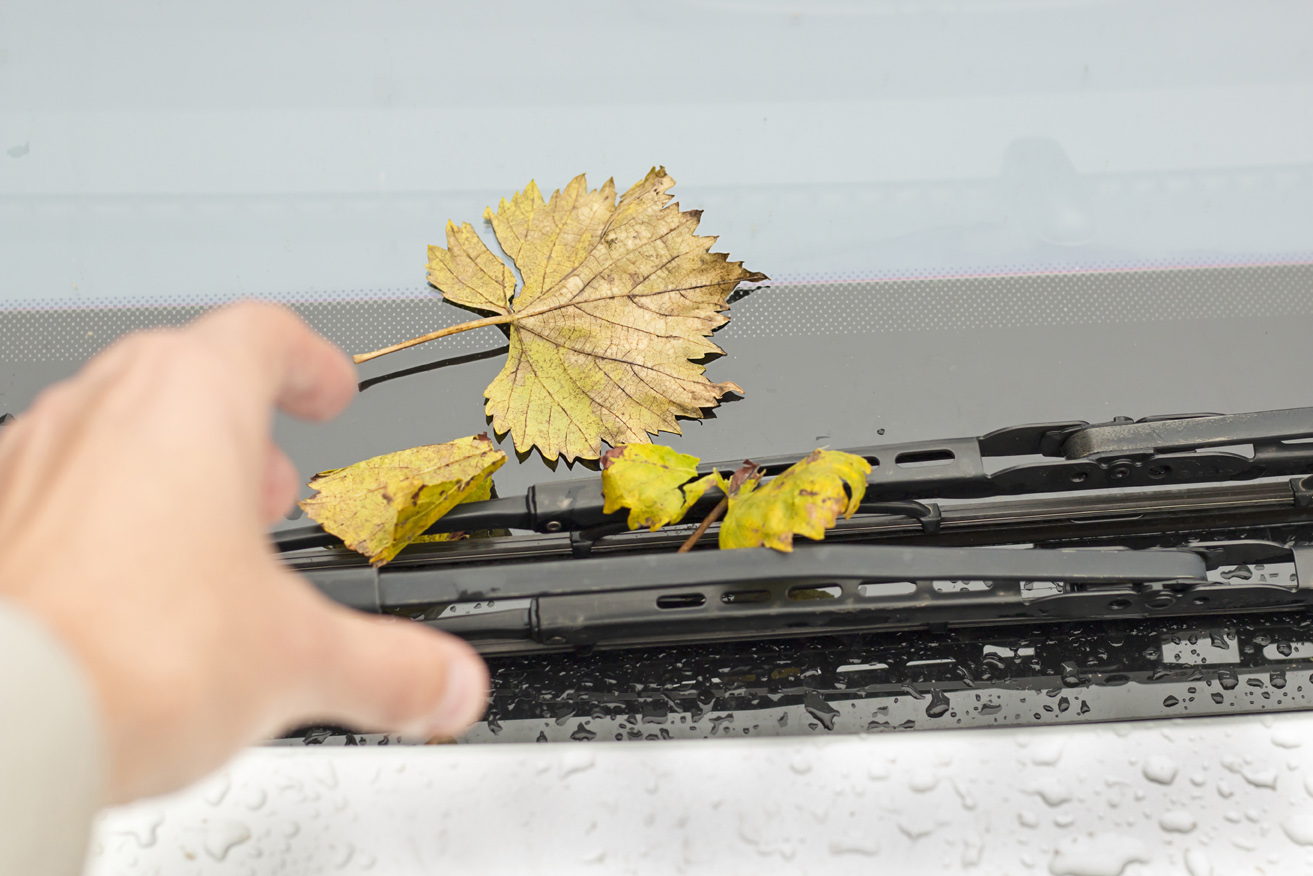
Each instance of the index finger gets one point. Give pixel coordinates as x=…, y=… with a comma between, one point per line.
x=288, y=363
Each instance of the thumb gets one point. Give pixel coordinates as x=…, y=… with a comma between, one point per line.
x=393, y=675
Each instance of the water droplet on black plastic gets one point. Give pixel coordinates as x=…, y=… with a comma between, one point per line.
x=583, y=734
x=316, y=736
x=494, y=726
x=1071, y=676
x=819, y=709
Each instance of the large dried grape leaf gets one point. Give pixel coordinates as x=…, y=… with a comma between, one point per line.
x=806, y=499
x=619, y=298
x=380, y=505
x=657, y=484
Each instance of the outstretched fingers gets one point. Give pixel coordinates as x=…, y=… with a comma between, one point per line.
x=284, y=361
x=388, y=675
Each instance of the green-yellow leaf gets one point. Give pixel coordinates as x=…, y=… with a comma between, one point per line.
x=657, y=484
x=806, y=499
x=380, y=505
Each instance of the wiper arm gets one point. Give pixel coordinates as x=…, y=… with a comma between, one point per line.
x=1185, y=449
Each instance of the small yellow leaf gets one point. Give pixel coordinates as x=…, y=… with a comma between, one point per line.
x=655, y=483
x=380, y=505
x=806, y=499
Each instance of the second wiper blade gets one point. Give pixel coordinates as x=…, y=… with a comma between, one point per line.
x=631, y=601
x=1074, y=456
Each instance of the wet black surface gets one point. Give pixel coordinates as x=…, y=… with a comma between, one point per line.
x=1008, y=676
x=990, y=677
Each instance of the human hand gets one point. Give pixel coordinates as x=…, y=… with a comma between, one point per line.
x=134, y=503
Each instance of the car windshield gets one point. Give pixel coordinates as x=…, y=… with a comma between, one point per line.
x=1014, y=212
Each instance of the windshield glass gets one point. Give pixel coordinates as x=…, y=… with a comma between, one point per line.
x=970, y=217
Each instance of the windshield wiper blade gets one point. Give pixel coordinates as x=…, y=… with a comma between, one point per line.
x=1280, y=510
x=654, y=599
x=1161, y=451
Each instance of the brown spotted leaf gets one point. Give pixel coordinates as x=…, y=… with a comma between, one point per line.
x=380, y=505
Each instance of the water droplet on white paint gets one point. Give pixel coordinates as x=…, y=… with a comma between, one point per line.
x=1047, y=753
x=144, y=828
x=914, y=827
x=1299, y=828
x=576, y=762
x=254, y=797
x=222, y=837
x=217, y=788
x=866, y=848
x=1287, y=735
x=973, y=849
x=1097, y=855
x=1177, y=821
x=1052, y=790
x=1160, y=769
x=922, y=780
x=1198, y=863
x=1260, y=778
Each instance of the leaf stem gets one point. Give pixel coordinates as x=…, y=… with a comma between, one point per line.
x=440, y=333
x=704, y=525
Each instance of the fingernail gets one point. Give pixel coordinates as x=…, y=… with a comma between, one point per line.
x=463, y=698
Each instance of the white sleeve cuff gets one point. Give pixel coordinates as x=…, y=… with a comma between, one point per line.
x=52, y=751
